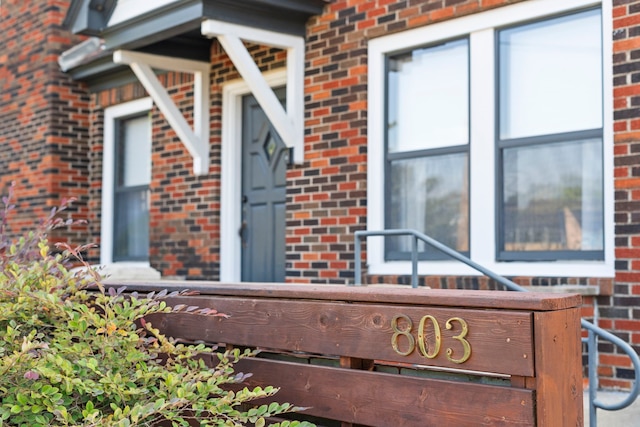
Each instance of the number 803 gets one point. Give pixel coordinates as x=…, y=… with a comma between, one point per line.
x=430, y=352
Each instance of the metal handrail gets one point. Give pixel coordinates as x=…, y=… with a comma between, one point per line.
x=594, y=403
x=593, y=330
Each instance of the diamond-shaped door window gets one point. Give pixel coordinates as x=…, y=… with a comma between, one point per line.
x=270, y=146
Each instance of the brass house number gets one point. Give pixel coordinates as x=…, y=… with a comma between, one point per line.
x=430, y=352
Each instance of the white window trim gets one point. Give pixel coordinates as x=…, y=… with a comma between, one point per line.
x=480, y=29
x=111, y=116
x=231, y=173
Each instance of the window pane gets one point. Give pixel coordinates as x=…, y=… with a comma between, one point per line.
x=131, y=225
x=430, y=195
x=551, y=76
x=135, y=152
x=428, y=98
x=553, y=197
x=131, y=198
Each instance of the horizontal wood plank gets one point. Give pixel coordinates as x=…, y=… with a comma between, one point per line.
x=538, y=301
x=337, y=327
x=499, y=341
x=377, y=399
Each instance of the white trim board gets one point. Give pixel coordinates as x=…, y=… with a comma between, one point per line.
x=288, y=123
x=195, y=140
x=231, y=173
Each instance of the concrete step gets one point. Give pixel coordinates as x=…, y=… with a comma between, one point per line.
x=627, y=417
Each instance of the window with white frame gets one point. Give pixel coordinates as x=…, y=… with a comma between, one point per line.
x=126, y=179
x=131, y=189
x=494, y=139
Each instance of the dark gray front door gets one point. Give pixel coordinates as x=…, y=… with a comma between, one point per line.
x=264, y=168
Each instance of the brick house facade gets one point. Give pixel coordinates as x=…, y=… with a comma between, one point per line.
x=53, y=127
x=44, y=114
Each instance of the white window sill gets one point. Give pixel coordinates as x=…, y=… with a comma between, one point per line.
x=584, y=290
x=509, y=269
x=128, y=271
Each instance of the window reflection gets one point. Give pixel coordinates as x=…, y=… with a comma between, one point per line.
x=551, y=76
x=429, y=98
x=553, y=197
x=430, y=194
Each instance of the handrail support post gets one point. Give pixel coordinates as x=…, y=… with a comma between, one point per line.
x=358, y=251
x=593, y=377
x=414, y=261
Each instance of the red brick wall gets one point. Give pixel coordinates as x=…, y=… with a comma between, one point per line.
x=621, y=312
x=184, y=220
x=328, y=196
x=43, y=114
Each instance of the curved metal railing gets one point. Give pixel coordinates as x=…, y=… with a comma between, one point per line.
x=593, y=331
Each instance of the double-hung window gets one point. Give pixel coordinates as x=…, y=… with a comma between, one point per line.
x=491, y=134
x=125, y=184
x=131, y=189
x=427, y=146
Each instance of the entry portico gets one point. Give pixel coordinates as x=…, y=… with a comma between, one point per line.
x=139, y=41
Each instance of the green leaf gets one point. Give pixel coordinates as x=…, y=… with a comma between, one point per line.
x=273, y=407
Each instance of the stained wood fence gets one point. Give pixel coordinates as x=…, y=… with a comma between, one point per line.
x=384, y=357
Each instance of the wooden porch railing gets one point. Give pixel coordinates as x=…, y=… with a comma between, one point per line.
x=376, y=356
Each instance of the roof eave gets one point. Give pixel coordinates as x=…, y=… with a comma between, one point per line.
x=159, y=24
x=158, y=30
x=88, y=17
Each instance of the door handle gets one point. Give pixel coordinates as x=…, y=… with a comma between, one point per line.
x=243, y=233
